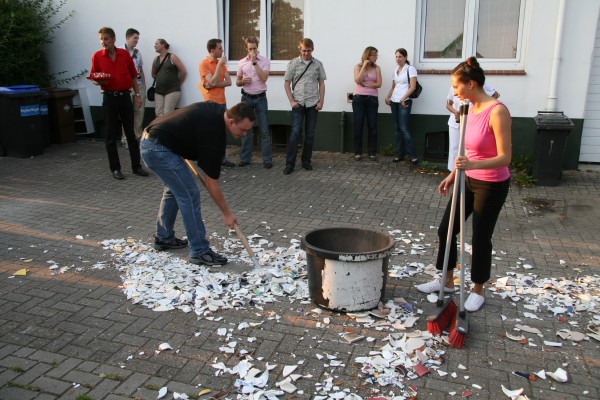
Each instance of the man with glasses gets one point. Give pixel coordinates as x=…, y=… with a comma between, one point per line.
x=305, y=88
x=252, y=74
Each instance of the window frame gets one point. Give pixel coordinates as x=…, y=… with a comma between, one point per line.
x=264, y=45
x=470, y=41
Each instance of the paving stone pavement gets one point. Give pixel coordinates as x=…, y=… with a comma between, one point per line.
x=66, y=335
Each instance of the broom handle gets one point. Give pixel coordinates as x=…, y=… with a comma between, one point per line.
x=238, y=231
x=459, y=183
x=464, y=111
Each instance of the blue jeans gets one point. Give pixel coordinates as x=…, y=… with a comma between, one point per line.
x=308, y=116
x=365, y=106
x=180, y=194
x=404, y=142
x=260, y=106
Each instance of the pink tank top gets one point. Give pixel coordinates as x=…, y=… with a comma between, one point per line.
x=480, y=144
x=370, y=77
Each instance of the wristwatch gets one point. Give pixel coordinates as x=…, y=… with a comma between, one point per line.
x=254, y=63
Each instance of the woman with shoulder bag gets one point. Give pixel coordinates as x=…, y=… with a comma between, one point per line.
x=168, y=73
x=404, y=83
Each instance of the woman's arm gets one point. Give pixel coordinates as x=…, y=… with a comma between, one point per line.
x=389, y=95
x=359, y=72
x=180, y=68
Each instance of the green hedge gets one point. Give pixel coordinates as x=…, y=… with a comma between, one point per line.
x=27, y=25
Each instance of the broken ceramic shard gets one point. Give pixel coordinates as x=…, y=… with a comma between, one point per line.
x=560, y=375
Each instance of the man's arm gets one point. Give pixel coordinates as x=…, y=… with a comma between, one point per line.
x=212, y=185
x=321, y=101
x=288, y=91
x=215, y=80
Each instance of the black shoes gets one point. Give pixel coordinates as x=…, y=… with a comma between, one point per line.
x=227, y=163
x=209, y=258
x=287, y=170
x=243, y=163
x=173, y=244
x=307, y=166
x=140, y=171
x=268, y=165
x=118, y=175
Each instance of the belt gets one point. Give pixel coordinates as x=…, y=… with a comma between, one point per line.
x=118, y=93
x=148, y=136
x=253, y=96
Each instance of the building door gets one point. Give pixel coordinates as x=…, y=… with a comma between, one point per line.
x=590, y=137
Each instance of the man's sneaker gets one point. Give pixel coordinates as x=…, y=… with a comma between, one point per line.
x=173, y=244
x=209, y=258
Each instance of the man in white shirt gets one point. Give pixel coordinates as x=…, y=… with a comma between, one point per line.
x=132, y=37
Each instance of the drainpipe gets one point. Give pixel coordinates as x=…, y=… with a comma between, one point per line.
x=342, y=129
x=551, y=102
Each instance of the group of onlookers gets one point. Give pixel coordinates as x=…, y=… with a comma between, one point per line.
x=197, y=132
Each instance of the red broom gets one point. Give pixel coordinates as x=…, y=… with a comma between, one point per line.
x=446, y=307
x=461, y=326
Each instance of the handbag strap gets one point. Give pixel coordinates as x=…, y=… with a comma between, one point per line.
x=161, y=64
x=301, y=75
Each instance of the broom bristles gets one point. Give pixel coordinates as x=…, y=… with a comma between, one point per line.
x=446, y=314
x=459, y=330
x=456, y=339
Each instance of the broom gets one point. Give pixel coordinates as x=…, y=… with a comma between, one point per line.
x=461, y=326
x=238, y=231
x=446, y=307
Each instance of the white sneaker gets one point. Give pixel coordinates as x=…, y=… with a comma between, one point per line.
x=474, y=302
x=433, y=287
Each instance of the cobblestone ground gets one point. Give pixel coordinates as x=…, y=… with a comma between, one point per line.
x=64, y=335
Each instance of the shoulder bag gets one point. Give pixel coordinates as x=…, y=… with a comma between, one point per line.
x=417, y=92
x=152, y=90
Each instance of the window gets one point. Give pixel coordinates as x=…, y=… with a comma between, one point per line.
x=453, y=30
x=278, y=24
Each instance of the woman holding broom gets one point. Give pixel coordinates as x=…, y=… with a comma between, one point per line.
x=486, y=160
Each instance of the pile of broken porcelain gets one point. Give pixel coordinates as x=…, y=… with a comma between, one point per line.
x=163, y=282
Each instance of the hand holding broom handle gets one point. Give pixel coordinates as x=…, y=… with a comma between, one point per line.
x=238, y=231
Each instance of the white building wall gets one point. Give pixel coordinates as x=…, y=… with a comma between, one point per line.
x=590, y=136
x=341, y=29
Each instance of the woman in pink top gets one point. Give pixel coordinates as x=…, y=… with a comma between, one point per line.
x=488, y=155
x=365, y=102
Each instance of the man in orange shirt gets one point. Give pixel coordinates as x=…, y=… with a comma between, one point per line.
x=214, y=78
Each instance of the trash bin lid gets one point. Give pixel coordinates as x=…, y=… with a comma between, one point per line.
x=57, y=93
x=19, y=89
x=553, y=120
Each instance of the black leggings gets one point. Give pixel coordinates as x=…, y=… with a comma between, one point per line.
x=484, y=200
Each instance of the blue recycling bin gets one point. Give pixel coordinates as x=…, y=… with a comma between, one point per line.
x=21, y=132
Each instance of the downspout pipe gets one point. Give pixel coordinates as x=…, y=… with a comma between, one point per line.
x=551, y=103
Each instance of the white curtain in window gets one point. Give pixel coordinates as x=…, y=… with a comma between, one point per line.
x=498, y=28
x=444, y=28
